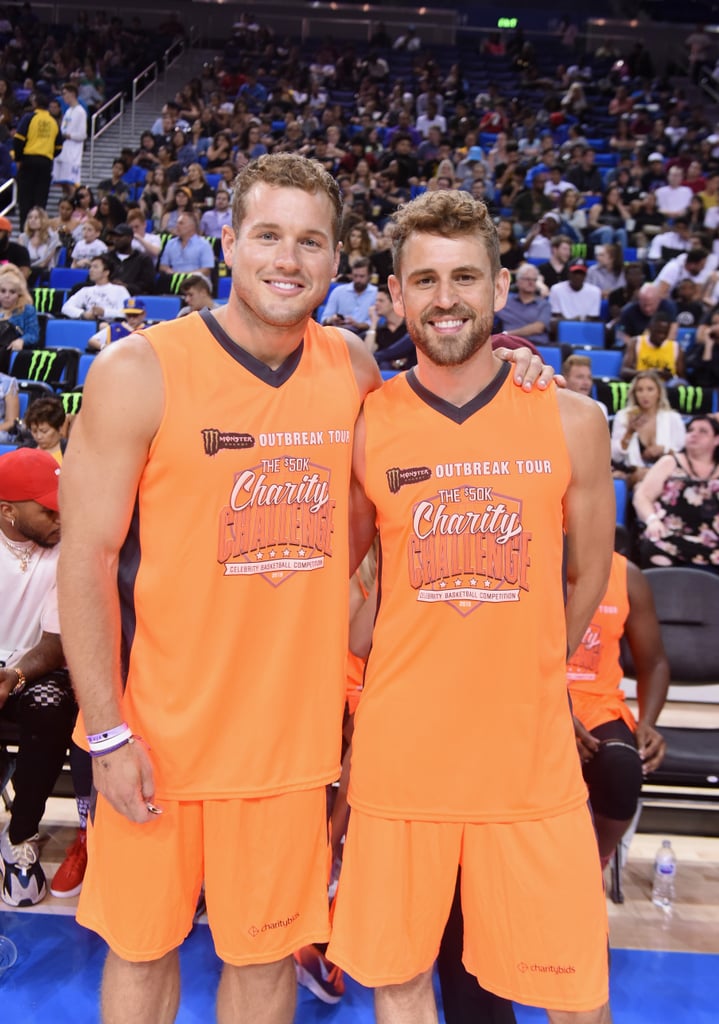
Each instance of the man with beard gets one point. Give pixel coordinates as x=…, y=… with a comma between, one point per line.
x=464, y=748
x=35, y=689
x=349, y=304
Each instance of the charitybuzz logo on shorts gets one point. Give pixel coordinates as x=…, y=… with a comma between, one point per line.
x=525, y=968
x=270, y=926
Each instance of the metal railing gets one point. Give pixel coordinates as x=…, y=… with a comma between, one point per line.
x=147, y=79
x=8, y=196
x=104, y=117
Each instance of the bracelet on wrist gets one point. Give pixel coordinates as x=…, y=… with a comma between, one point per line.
x=112, y=739
x=21, y=680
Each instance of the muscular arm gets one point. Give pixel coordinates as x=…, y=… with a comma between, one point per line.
x=589, y=511
x=45, y=656
x=122, y=407
x=650, y=662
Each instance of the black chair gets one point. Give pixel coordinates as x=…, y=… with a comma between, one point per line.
x=55, y=367
x=687, y=605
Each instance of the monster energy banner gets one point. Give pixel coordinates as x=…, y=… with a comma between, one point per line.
x=41, y=364
x=71, y=401
x=619, y=390
x=690, y=399
x=44, y=299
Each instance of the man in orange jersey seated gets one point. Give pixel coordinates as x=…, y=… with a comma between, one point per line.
x=617, y=752
x=463, y=751
x=206, y=521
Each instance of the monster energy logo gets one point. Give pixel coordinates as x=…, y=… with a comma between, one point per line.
x=690, y=398
x=71, y=401
x=44, y=299
x=619, y=389
x=579, y=251
x=41, y=364
x=176, y=282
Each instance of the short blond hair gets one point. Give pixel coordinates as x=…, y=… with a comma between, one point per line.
x=286, y=170
x=10, y=273
x=448, y=214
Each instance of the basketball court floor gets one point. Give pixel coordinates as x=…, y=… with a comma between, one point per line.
x=664, y=970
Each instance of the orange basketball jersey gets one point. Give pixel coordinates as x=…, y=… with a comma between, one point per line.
x=234, y=576
x=464, y=714
x=594, y=672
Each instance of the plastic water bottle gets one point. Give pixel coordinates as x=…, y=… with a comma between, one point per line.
x=665, y=868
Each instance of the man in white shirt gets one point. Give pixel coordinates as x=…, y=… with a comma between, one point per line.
x=101, y=300
x=697, y=265
x=673, y=198
x=575, y=299
x=67, y=168
x=35, y=690
x=677, y=239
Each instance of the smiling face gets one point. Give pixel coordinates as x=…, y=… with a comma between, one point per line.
x=282, y=257
x=446, y=293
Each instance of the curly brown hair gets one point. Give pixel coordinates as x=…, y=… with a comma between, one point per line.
x=448, y=214
x=286, y=170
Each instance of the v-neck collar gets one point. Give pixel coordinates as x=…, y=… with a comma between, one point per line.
x=275, y=378
x=458, y=414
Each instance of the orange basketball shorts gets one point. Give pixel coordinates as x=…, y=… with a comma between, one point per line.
x=535, y=923
x=263, y=862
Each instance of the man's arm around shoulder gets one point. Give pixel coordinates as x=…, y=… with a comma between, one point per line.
x=589, y=510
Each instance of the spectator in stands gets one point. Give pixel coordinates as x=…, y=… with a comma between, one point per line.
x=17, y=310
x=90, y=245
x=531, y=204
x=510, y=251
x=110, y=212
x=673, y=198
x=634, y=279
x=574, y=299
x=690, y=311
x=608, y=272
x=654, y=350
x=586, y=176
x=645, y=429
x=556, y=268
x=655, y=176
x=525, y=313
x=196, y=291
x=214, y=219
x=671, y=242
x=179, y=202
x=577, y=371
x=200, y=191
x=356, y=245
x=63, y=224
x=348, y=305
x=37, y=142
x=678, y=503
x=164, y=126
x=45, y=419
x=99, y=300
x=13, y=252
x=702, y=359
x=146, y=155
x=42, y=244
x=114, y=185
x=573, y=218
x=9, y=408
x=67, y=169
x=143, y=240
x=389, y=340
x=697, y=265
x=188, y=251
x=538, y=243
x=608, y=219
x=635, y=316
x=84, y=203
x=155, y=196
x=134, y=269
x=35, y=690
x=135, y=315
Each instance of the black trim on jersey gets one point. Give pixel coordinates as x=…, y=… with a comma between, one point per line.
x=458, y=413
x=275, y=378
x=127, y=570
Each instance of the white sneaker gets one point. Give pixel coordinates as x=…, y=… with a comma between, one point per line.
x=23, y=879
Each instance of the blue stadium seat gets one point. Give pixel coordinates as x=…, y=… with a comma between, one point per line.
x=224, y=287
x=621, y=495
x=551, y=356
x=160, y=307
x=69, y=333
x=605, y=362
x=66, y=277
x=581, y=332
x=83, y=367
x=5, y=448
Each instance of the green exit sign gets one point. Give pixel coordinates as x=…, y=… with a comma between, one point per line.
x=507, y=22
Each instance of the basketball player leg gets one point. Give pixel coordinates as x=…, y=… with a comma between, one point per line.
x=257, y=993
x=141, y=993
x=410, y=1003
x=614, y=780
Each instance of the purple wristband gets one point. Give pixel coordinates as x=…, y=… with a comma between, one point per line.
x=110, y=750
x=110, y=734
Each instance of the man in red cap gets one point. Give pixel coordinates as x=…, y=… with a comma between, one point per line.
x=35, y=689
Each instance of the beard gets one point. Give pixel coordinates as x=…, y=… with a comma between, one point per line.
x=456, y=349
